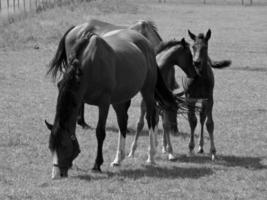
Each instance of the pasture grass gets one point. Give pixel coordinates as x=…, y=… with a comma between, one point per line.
x=28, y=97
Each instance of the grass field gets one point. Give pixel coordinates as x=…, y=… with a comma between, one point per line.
x=28, y=97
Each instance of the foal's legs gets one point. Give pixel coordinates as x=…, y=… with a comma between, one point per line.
x=210, y=129
x=193, y=123
x=203, y=115
x=140, y=126
x=122, y=118
x=100, y=135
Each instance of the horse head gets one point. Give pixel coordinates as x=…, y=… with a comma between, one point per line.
x=200, y=49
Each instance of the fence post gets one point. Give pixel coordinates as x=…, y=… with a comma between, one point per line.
x=7, y=5
x=14, y=5
x=24, y=6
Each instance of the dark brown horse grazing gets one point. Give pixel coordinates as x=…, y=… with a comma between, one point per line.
x=202, y=87
x=169, y=54
x=102, y=71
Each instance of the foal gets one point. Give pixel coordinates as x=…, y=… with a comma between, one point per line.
x=202, y=87
x=169, y=54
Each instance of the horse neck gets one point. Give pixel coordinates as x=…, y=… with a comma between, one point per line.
x=164, y=60
x=67, y=110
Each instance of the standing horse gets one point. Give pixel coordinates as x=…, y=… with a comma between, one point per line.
x=145, y=27
x=169, y=54
x=104, y=71
x=202, y=87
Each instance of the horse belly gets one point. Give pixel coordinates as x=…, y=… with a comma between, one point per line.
x=131, y=73
x=129, y=81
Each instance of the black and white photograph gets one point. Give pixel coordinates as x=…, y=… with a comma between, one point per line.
x=133, y=99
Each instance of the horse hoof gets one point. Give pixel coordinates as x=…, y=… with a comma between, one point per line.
x=150, y=162
x=114, y=164
x=171, y=157
x=213, y=157
x=164, y=150
x=201, y=151
x=96, y=170
x=130, y=155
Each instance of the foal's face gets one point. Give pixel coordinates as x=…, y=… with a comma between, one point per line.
x=200, y=49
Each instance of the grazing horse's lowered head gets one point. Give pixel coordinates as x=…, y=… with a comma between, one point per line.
x=63, y=143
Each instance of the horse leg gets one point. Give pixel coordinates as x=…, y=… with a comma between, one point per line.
x=151, y=122
x=122, y=118
x=168, y=147
x=203, y=115
x=100, y=135
x=140, y=126
x=210, y=129
x=193, y=123
x=80, y=118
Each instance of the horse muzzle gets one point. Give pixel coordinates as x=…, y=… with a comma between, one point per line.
x=58, y=172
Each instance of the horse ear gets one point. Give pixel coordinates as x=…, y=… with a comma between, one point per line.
x=183, y=42
x=208, y=34
x=192, y=36
x=48, y=125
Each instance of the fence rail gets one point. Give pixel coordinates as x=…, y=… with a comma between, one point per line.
x=12, y=7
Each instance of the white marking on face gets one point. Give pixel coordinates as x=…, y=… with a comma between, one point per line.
x=55, y=169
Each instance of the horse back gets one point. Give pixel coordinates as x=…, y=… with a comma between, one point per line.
x=133, y=62
x=98, y=70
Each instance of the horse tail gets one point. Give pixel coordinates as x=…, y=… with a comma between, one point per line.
x=163, y=95
x=221, y=64
x=59, y=62
x=168, y=101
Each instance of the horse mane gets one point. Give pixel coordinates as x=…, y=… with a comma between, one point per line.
x=167, y=44
x=152, y=25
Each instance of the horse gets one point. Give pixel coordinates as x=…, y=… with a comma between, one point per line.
x=169, y=53
x=202, y=87
x=103, y=71
x=146, y=27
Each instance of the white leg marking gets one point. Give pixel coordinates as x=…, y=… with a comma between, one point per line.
x=151, y=149
x=120, y=155
x=156, y=130
x=171, y=156
x=55, y=170
x=133, y=148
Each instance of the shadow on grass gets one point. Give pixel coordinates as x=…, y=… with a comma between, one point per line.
x=153, y=172
x=253, y=163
